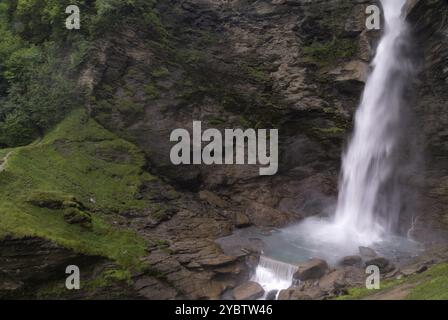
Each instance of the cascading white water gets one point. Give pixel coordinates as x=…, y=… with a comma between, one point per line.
x=369, y=201
x=273, y=274
x=369, y=164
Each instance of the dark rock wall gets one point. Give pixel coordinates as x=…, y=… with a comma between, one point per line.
x=429, y=20
x=298, y=66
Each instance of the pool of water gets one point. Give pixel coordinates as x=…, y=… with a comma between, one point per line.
x=283, y=249
x=315, y=238
x=300, y=243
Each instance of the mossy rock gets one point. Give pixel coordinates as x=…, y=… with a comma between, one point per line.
x=76, y=216
x=53, y=200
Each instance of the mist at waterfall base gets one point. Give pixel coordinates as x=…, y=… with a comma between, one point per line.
x=375, y=169
x=370, y=194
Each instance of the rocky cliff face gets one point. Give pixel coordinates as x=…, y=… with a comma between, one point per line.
x=298, y=66
x=430, y=27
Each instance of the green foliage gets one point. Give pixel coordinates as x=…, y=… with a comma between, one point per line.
x=35, y=75
x=40, y=94
x=15, y=129
x=40, y=59
x=110, y=13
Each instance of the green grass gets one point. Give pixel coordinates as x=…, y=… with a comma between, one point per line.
x=78, y=160
x=360, y=293
x=433, y=285
x=429, y=285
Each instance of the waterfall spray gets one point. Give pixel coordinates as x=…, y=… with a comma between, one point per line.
x=374, y=166
x=369, y=165
x=373, y=169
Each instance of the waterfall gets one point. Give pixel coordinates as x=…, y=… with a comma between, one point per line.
x=274, y=275
x=369, y=202
x=375, y=166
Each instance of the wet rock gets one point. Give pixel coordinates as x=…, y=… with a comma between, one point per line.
x=293, y=294
x=272, y=295
x=313, y=269
x=241, y=220
x=308, y=290
x=248, y=291
x=382, y=263
x=351, y=71
x=413, y=269
x=217, y=261
x=350, y=261
x=266, y=216
x=338, y=281
x=367, y=252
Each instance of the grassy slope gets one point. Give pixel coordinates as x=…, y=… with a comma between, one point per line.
x=78, y=158
x=430, y=285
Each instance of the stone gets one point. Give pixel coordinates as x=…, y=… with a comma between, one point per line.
x=355, y=70
x=367, y=252
x=241, y=220
x=217, y=261
x=313, y=269
x=298, y=293
x=356, y=21
x=213, y=199
x=382, y=263
x=266, y=216
x=76, y=216
x=272, y=295
x=414, y=269
x=350, y=261
x=248, y=291
x=338, y=281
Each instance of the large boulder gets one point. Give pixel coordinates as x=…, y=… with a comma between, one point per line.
x=382, y=263
x=313, y=269
x=267, y=216
x=293, y=294
x=338, y=281
x=272, y=295
x=350, y=261
x=367, y=252
x=241, y=220
x=248, y=291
